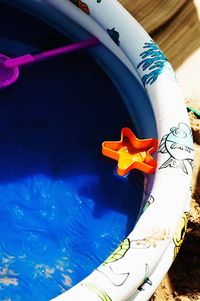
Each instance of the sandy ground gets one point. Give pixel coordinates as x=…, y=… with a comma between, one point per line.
x=182, y=283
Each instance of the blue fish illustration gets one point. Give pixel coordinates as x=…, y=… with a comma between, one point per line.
x=179, y=145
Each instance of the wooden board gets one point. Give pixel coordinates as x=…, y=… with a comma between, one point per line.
x=152, y=14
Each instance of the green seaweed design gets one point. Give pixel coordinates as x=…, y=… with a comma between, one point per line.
x=99, y=291
x=154, y=63
x=119, y=252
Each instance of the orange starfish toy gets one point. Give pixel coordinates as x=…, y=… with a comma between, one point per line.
x=131, y=152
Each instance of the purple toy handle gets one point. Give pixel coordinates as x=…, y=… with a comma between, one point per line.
x=28, y=58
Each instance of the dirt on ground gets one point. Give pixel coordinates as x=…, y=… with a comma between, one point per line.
x=182, y=283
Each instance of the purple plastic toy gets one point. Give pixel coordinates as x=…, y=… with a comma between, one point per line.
x=9, y=67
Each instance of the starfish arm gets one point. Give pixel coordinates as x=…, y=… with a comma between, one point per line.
x=138, y=144
x=110, y=149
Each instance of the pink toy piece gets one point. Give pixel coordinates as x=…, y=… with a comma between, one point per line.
x=9, y=67
x=7, y=75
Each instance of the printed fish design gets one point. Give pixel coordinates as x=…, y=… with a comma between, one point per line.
x=83, y=6
x=119, y=252
x=179, y=145
x=114, y=35
x=146, y=279
x=116, y=278
x=99, y=291
x=180, y=233
x=148, y=203
x=108, y=269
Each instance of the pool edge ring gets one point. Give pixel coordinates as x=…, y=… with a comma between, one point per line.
x=140, y=253
x=127, y=272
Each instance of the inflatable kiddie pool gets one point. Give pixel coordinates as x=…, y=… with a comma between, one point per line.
x=71, y=228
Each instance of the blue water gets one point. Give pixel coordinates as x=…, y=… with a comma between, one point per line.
x=63, y=210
